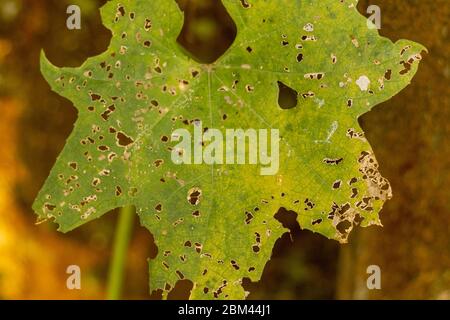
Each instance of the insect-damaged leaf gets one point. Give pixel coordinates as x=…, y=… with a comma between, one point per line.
x=214, y=224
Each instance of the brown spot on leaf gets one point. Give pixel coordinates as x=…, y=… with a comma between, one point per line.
x=95, y=97
x=123, y=140
x=194, y=196
x=387, y=74
x=73, y=165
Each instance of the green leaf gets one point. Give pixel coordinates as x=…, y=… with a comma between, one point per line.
x=131, y=99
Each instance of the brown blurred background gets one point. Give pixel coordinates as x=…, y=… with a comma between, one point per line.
x=409, y=134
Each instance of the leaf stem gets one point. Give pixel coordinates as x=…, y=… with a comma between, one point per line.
x=121, y=241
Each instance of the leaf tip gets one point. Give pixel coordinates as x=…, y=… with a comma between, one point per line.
x=48, y=70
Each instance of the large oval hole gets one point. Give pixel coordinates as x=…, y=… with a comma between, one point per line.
x=208, y=29
x=287, y=97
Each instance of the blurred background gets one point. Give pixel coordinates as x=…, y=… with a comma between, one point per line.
x=409, y=134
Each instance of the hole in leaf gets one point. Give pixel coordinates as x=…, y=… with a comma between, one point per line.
x=288, y=219
x=156, y=295
x=315, y=279
x=287, y=97
x=343, y=226
x=181, y=291
x=123, y=140
x=208, y=29
x=194, y=196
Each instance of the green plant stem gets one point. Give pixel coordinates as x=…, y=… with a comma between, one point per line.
x=121, y=241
